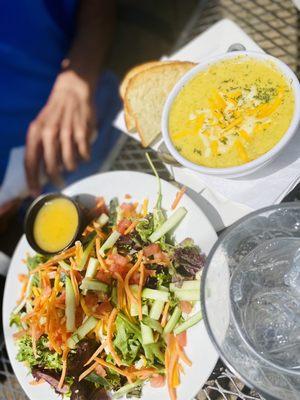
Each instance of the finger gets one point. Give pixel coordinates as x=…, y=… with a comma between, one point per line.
x=33, y=158
x=66, y=139
x=51, y=150
x=81, y=134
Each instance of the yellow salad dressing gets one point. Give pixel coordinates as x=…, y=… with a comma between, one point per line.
x=231, y=113
x=55, y=225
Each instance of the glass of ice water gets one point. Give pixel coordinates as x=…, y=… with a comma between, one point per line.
x=251, y=300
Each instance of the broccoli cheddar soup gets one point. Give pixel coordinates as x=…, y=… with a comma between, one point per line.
x=231, y=113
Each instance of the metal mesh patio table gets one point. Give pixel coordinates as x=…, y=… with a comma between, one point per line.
x=274, y=25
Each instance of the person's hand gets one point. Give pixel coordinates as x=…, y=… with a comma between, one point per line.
x=7, y=211
x=61, y=133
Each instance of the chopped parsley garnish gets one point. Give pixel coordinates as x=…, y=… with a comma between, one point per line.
x=223, y=140
x=266, y=94
x=198, y=152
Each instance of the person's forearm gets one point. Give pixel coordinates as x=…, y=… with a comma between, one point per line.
x=95, y=26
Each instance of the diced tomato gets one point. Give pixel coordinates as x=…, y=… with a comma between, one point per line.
x=123, y=225
x=79, y=316
x=103, y=308
x=78, y=276
x=181, y=339
x=120, y=260
x=62, y=298
x=38, y=333
x=46, y=291
x=135, y=279
x=103, y=277
x=186, y=306
x=157, y=381
x=152, y=249
x=118, y=268
x=100, y=371
x=91, y=300
x=127, y=207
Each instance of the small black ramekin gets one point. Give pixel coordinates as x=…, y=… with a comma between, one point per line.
x=32, y=213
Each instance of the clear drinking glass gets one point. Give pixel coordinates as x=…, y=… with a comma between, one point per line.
x=251, y=300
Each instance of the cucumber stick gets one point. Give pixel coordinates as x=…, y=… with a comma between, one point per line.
x=114, y=296
x=147, y=334
x=134, y=309
x=173, y=320
x=93, y=284
x=186, y=285
x=70, y=306
x=64, y=265
x=92, y=268
x=109, y=243
x=125, y=389
x=156, y=309
x=103, y=220
x=187, y=295
x=85, y=255
x=169, y=224
x=82, y=331
x=153, y=294
x=188, y=323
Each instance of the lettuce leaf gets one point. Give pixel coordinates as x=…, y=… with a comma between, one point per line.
x=46, y=358
x=15, y=319
x=145, y=227
x=126, y=341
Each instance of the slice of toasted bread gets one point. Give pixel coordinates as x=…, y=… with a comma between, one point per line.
x=132, y=72
x=146, y=94
x=129, y=120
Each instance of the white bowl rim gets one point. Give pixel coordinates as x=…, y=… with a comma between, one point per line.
x=258, y=162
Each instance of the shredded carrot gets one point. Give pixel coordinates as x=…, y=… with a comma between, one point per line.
x=54, y=260
x=100, y=259
x=165, y=315
x=87, y=230
x=75, y=287
x=87, y=371
x=22, y=278
x=78, y=251
x=98, y=231
x=84, y=307
x=178, y=197
x=127, y=196
x=64, y=369
x=42, y=267
x=120, y=371
x=23, y=291
x=97, y=352
x=130, y=295
x=33, y=337
x=131, y=227
x=145, y=373
x=141, y=283
x=175, y=376
x=110, y=346
x=97, y=209
x=171, y=362
x=19, y=334
x=145, y=207
x=36, y=383
x=182, y=355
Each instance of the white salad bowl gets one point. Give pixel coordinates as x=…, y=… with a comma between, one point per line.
x=249, y=167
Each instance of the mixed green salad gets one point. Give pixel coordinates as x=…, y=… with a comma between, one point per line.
x=111, y=313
